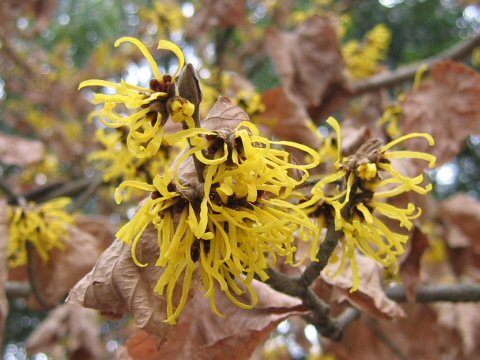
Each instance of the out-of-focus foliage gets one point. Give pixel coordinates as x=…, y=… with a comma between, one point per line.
x=48, y=47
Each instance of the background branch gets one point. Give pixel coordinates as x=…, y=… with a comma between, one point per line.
x=407, y=73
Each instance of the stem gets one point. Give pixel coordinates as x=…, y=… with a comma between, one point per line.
x=407, y=73
x=313, y=270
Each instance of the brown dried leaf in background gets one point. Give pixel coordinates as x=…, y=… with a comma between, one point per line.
x=463, y=318
x=201, y=334
x=15, y=150
x=3, y=266
x=446, y=106
x=58, y=275
x=116, y=286
x=100, y=227
x=70, y=324
x=44, y=12
x=310, y=64
x=414, y=337
x=410, y=266
x=462, y=212
x=213, y=14
x=224, y=115
x=370, y=297
x=287, y=119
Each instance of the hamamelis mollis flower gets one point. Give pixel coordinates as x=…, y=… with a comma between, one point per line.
x=45, y=226
x=357, y=193
x=149, y=107
x=230, y=227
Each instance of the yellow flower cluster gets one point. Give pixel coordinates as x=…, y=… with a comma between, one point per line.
x=45, y=226
x=233, y=226
x=148, y=105
x=356, y=195
x=363, y=58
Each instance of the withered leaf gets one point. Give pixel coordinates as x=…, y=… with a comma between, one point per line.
x=201, y=334
x=370, y=297
x=116, y=286
x=446, y=106
x=463, y=213
x=463, y=318
x=217, y=13
x=3, y=266
x=58, y=275
x=414, y=337
x=309, y=61
x=410, y=266
x=70, y=322
x=224, y=115
x=15, y=150
x=287, y=119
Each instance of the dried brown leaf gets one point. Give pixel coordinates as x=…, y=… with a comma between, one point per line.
x=73, y=322
x=410, y=266
x=217, y=13
x=370, y=297
x=224, y=115
x=463, y=318
x=287, y=119
x=461, y=214
x=414, y=337
x=309, y=61
x=15, y=150
x=58, y=275
x=446, y=106
x=3, y=266
x=100, y=227
x=116, y=286
x=201, y=334
x=44, y=12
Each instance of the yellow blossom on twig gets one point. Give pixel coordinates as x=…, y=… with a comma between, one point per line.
x=45, y=226
x=356, y=194
x=231, y=227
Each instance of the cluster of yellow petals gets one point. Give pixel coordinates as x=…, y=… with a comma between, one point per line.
x=231, y=227
x=136, y=107
x=363, y=58
x=357, y=192
x=45, y=226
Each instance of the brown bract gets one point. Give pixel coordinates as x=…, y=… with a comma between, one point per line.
x=370, y=297
x=310, y=64
x=447, y=106
x=3, y=266
x=15, y=150
x=73, y=326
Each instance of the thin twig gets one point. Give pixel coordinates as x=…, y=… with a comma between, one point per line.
x=407, y=73
x=17, y=289
x=96, y=182
x=430, y=293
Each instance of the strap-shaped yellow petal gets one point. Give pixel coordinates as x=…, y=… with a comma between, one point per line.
x=168, y=45
x=145, y=53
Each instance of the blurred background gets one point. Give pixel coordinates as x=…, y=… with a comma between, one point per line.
x=47, y=47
